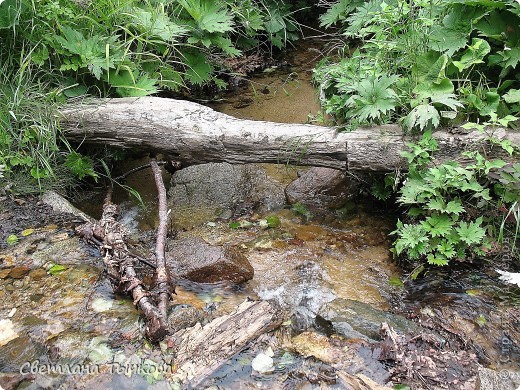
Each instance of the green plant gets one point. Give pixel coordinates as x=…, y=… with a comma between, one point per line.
x=448, y=60
x=447, y=204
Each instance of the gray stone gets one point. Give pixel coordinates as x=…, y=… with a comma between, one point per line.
x=497, y=380
x=194, y=259
x=184, y=316
x=323, y=187
x=61, y=205
x=351, y=318
x=203, y=192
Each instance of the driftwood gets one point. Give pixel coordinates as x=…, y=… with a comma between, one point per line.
x=110, y=236
x=202, y=350
x=195, y=134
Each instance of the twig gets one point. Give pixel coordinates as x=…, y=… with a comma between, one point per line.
x=163, y=277
x=136, y=169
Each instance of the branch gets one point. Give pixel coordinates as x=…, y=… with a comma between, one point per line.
x=163, y=277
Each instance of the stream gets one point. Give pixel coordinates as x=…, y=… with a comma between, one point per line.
x=57, y=309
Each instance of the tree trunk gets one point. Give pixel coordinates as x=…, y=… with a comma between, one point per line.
x=195, y=134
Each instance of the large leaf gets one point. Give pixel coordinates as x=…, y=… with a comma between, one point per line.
x=131, y=84
x=423, y=116
x=472, y=232
x=338, y=12
x=156, y=24
x=473, y=55
x=9, y=12
x=437, y=71
x=198, y=69
x=513, y=96
x=209, y=15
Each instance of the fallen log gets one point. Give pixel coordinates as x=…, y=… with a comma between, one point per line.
x=195, y=134
x=200, y=351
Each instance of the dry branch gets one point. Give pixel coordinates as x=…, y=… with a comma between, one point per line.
x=195, y=134
x=162, y=274
x=119, y=266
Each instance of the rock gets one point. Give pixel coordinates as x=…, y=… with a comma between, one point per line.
x=185, y=316
x=194, y=259
x=323, y=187
x=351, y=357
x=204, y=192
x=353, y=318
x=7, y=332
x=19, y=272
x=61, y=205
x=262, y=363
x=497, y=380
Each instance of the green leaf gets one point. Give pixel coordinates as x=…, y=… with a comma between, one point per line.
x=80, y=166
x=156, y=24
x=436, y=204
x=510, y=57
x=199, y=68
x=131, y=84
x=472, y=232
x=9, y=13
x=437, y=71
x=438, y=225
x=446, y=248
x=55, y=269
x=439, y=260
x=454, y=207
x=209, y=15
x=12, y=239
x=447, y=40
x=473, y=55
x=512, y=96
x=423, y=116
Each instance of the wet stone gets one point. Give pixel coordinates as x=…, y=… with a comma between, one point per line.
x=19, y=272
x=204, y=192
x=37, y=274
x=198, y=261
x=355, y=319
x=185, y=316
x=323, y=187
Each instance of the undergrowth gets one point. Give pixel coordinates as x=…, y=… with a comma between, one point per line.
x=457, y=212
x=54, y=50
x=422, y=63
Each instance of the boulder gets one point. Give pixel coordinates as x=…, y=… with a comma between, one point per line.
x=196, y=260
x=352, y=318
x=321, y=187
x=204, y=192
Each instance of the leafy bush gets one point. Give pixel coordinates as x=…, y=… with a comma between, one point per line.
x=452, y=208
x=447, y=60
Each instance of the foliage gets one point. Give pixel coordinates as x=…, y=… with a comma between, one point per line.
x=53, y=50
x=452, y=208
x=448, y=60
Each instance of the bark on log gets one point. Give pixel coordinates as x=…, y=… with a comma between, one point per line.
x=202, y=350
x=195, y=134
